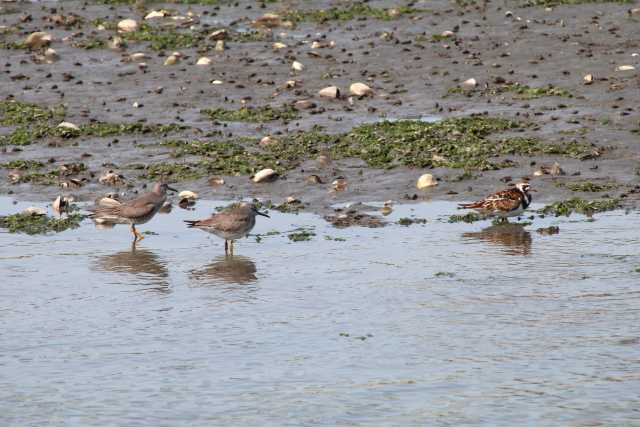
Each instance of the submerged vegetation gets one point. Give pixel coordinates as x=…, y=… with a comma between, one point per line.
x=29, y=223
x=468, y=218
x=581, y=206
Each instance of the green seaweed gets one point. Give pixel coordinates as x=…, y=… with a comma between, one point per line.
x=581, y=206
x=173, y=171
x=551, y=3
x=349, y=13
x=468, y=218
x=251, y=114
x=22, y=164
x=301, y=235
x=410, y=221
x=591, y=187
x=28, y=223
x=522, y=92
x=455, y=143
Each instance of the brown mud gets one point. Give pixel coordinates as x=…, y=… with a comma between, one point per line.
x=529, y=63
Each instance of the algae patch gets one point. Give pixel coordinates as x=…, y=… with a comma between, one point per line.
x=581, y=206
x=31, y=224
x=251, y=114
x=349, y=13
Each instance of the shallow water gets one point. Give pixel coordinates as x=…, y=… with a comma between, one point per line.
x=438, y=324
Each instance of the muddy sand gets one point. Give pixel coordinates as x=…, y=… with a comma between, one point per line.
x=553, y=83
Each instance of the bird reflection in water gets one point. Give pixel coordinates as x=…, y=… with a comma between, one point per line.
x=145, y=265
x=513, y=238
x=227, y=269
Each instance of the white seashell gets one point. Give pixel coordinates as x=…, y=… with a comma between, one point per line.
x=297, y=66
x=68, y=125
x=588, y=79
x=219, y=35
x=38, y=39
x=216, y=180
x=138, y=56
x=34, y=211
x=127, y=26
x=117, y=43
x=360, y=89
x=51, y=56
x=329, y=92
x=626, y=68
x=265, y=175
x=187, y=195
x=278, y=45
x=447, y=33
x=267, y=140
x=426, y=181
x=469, y=83
x=172, y=60
x=111, y=178
x=156, y=14
x=61, y=203
x=217, y=82
x=204, y=61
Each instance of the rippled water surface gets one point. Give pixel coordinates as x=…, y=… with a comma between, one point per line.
x=427, y=325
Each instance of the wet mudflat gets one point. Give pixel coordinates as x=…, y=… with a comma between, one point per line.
x=428, y=324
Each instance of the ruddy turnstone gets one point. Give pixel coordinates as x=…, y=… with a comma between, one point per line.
x=505, y=203
x=137, y=211
x=234, y=222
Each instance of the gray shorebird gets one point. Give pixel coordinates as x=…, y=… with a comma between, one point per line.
x=505, y=203
x=137, y=211
x=234, y=222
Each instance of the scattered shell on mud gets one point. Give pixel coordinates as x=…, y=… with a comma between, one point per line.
x=291, y=200
x=268, y=140
x=69, y=125
x=186, y=194
x=217, y=82
x=425, y=181
x=137, y=57
x=447, y=33
x=554, y=170
x=111, y=178
x=588, y=79
x=204, y=61
x=339, y=184
x=297, y=66
x=469, y=83
x=220, y=46
x=304, y=104
x=268, y=20
x=156, y=14
x=278, y=45
x=172, y=60
x=51, y=56
x=216, y=180
x=117, y=43
x=314, y=179
x=34, y=211
x=265, y=175
x=62, y=203
x=330, y=92
x=219, y=35
x=360, y=89
x=626, y=68
x=290, y=84
x=127, y=26
x=38, y=40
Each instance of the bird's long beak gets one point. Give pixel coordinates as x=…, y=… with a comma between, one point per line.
x=262, y=213
x=172, y=189
x=531, y=189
